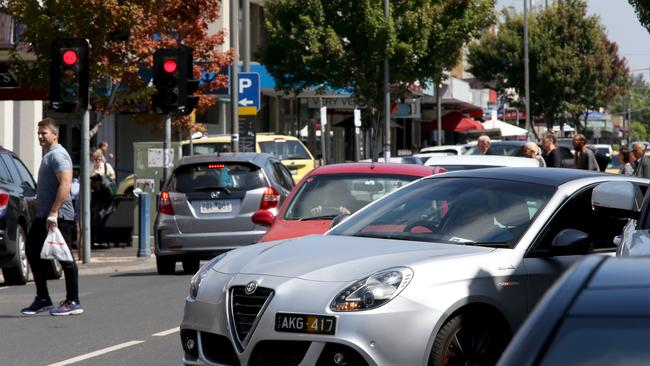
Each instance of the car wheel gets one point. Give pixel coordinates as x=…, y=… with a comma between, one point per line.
x=191, y=265
x=18, y=274
x=165, y=265
x=469, y=340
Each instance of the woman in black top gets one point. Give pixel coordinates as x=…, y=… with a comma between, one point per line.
x=552, y=155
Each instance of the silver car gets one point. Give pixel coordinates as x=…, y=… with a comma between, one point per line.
x=439, y=272
x=207, y=204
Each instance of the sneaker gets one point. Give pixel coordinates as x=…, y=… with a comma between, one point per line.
x=39, y=305
x=67, y=308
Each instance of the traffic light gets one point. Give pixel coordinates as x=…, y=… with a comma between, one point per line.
x=69, y=74
x=166, y=78
x=188, y=84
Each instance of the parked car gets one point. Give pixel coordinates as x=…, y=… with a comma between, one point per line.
x=598, y=314
x=412, y=159
x=516, y=148
x=465, y=162
x=338, y=189
x=445, y=149
x=207, y=203
x=293, y=153
x=418, y=277
x=17, y=210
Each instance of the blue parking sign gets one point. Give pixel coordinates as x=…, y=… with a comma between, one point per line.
x=249, y=90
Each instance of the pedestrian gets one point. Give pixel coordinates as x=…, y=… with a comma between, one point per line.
x=102, y=167
x=483, y=145
x=584, y=158
x=106, y=156
x=552, y=156
x=624, y=158
x=53, y=209
x=641, y=165
x=531, y=150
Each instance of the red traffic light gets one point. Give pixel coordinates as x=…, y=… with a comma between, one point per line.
x=70, y=57
x=169, y=66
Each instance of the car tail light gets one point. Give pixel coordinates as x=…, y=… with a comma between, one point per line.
x=263, y=218
x=165, y=206
x=270, y=199
x=4, y=200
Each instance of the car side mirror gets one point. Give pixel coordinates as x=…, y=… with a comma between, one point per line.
x=263, y=218
x=616, y=199
x=337, y=220
x=571, y=241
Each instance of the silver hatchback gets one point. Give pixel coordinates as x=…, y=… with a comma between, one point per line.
x=207, y=204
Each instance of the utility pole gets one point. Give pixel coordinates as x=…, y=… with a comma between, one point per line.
x=439, y=109
x=386, y=94
x=234, y=75
x=246, y=34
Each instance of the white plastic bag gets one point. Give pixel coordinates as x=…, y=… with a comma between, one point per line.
x=55, y=247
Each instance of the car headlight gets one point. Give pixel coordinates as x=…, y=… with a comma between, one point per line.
x=195, y=282
x=373, y=291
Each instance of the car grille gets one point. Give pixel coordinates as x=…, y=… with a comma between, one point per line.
x=279, y=353
x=246, y=309
x=218, y=349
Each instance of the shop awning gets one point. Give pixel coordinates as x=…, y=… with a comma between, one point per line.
x=453, y=121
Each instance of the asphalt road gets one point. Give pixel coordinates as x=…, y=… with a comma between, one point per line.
x=131, y=318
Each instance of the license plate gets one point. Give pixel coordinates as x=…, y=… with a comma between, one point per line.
x=216, y=207
x=304, y=323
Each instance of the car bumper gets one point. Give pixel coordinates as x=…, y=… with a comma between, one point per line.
x=397, y=333
x=175, y=243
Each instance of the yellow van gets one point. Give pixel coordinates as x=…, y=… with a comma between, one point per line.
x=293, y=153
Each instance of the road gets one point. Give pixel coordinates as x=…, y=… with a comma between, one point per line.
x=131, y=318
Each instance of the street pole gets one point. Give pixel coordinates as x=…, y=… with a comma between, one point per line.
x=526, y=71
x=166, y=144
x=85, y=184
x=323, y=132
x=234, y=75
x=629, y=121
x=246, y=34
x=439, y=109
x=386, y=94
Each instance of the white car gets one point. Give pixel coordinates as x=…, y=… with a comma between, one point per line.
x=465, y=162
x=443, y=150
x=439, y=272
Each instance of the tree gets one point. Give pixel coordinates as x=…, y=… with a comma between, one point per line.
x=341, y=44
x=636, y=102
x=638, y=131
x=642, y=8
x=123, y=35
x=573, y=66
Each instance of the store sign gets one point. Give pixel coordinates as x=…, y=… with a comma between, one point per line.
x=8, y=78
x=333, y=103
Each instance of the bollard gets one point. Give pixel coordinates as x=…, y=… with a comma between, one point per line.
x=144, y=248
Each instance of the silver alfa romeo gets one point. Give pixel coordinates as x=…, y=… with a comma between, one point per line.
x=440, y=272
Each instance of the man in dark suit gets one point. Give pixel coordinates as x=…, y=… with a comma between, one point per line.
x=642, y=164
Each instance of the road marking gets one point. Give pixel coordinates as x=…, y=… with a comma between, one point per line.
x=2, y=288
x=96, y=353
x=166, y=332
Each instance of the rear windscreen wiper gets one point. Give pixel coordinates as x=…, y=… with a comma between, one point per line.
x=211, y=188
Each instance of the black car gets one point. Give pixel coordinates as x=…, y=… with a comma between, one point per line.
x=17, y=209
x=597, y=314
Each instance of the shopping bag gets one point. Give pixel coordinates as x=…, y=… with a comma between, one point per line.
x=55, y=247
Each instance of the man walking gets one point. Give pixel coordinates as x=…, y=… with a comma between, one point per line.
x=552, y=156
x=584, y=158
x=483, y=145
x=53, y=209
x=641, y=164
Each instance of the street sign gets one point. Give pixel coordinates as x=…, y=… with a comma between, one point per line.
x=249, y=93
x=597, y=132
x=8, y=79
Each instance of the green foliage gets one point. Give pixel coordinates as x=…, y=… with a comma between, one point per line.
x=573, y=66
x=343, y=43
x=638, y=131
x=637, y=100
x=642, y=8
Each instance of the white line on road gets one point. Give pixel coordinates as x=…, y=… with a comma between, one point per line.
x=96, y=353
x=166, y=332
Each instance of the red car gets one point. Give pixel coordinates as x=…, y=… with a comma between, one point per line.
x=331, y=190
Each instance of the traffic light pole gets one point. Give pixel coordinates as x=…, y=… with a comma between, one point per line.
x=234, y=75
x=166, y=144
x=85, y=184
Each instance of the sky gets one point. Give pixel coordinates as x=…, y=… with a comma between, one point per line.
x=622, y=26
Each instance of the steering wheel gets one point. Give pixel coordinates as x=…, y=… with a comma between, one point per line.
x=422, y=223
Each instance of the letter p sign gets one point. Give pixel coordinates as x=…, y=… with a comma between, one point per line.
x=244, y=84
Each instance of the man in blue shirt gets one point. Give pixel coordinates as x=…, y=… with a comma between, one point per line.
x=53, y=209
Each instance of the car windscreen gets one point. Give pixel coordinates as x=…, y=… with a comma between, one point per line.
x=206, y=148
x=498, y=149
x=285, y=149
x=327, y=195
x=470, y=211
x=211, y=176
x=600, y=341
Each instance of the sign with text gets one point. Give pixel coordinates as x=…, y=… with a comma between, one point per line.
x=249, y=93
x=8, y=78
x=334, y=103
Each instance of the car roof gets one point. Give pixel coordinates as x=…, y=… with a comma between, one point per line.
x=226, y=138
x=248, y=157
x=487, y=160
x=376, y=168
x=442, y=148
x=545, y=176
